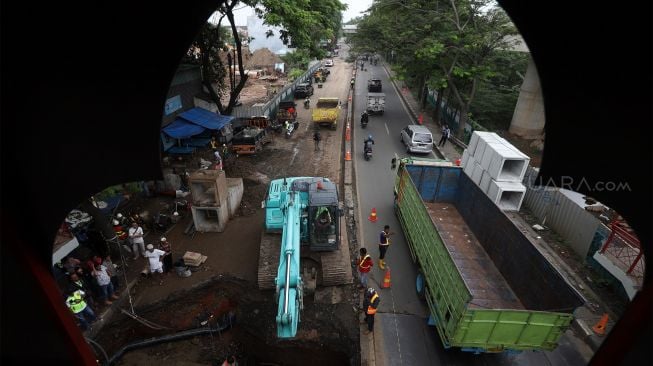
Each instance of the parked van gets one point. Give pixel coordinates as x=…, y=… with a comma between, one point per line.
x=418, y=139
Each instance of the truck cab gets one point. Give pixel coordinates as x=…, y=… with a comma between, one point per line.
x=374, y=86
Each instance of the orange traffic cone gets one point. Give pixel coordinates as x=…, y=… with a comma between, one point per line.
x=420, y=119
x=373, y=215
x=348, y=133
x=386, y=279
x=599, y=328
x=348, y=156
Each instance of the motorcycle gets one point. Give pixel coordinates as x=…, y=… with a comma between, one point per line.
x=367, y=152
x=307, y=103
x=290, y=128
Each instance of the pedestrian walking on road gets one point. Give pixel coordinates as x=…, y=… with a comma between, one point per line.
x=370, y=304
x=365, y=264
x=136, y=237
x=317, y=138
x=384, y=243
x=446, y=133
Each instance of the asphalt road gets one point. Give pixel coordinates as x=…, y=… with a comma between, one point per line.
x=401, y=335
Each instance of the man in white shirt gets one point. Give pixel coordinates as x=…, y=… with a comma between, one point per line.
x=154, y=256
x=136, y=237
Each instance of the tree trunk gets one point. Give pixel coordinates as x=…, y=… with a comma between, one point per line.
x=243, y=78
x=438, y=107
x=424, y=92
x=462, y=121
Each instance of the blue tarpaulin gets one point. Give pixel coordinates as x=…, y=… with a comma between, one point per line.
x=180, y=129
x=205, y=118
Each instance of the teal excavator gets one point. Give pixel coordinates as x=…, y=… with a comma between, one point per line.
x=300, y=247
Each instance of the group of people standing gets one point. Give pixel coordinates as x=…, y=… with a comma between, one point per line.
x=95, y=282
x=90, y=284
x=365, y=263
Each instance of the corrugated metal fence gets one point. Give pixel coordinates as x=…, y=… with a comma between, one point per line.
x=561, y=214
x=269, y=109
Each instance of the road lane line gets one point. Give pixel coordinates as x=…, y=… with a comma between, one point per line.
x=386, y=128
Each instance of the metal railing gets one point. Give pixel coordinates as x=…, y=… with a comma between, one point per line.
x=626, y=249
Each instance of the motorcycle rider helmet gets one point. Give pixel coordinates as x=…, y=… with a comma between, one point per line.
x=119, y=215
x=369, y=137
x=371, y=291
x=115, y=222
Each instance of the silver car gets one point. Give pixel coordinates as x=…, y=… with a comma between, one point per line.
x=418, y=139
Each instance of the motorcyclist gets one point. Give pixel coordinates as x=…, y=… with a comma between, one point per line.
x=364, y=118
x=352, y=82
x=307, y=103
x=368, y=143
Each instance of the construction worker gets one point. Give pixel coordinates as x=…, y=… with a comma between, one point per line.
x=365, y=264
x=322, y=221
x=370, y=304
x=384, y=243
x=82, y=311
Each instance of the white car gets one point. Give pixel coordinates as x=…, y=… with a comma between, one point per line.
x=328, y=62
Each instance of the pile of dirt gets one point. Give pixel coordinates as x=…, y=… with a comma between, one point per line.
x=262, y=59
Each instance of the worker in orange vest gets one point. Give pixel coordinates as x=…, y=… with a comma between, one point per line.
x=370, y=304
x=365, y=264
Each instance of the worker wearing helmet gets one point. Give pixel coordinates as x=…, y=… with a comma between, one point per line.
x=370, y=305
x=367, y=144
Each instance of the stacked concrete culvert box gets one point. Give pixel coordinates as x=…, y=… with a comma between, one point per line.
x=464, y=158
x=485, y=182
x=507, y=195
x=209, y=193
x=477, y=173
x=492, y=161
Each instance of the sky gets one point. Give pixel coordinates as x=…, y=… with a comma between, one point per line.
x=354, y=9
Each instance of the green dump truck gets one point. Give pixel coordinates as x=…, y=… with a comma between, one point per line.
x=487, y=286
x=326, y=112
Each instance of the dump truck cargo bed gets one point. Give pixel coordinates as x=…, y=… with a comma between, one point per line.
x=488, y=287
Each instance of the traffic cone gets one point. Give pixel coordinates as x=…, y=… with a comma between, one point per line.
x=348, y=133
x=386, y=279
x=599, y=328
x=373, y=215
x=348, y=156
x=420, y=119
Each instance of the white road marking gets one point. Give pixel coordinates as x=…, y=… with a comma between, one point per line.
x=386, y=128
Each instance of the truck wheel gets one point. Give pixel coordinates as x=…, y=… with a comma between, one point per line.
x=420, y=285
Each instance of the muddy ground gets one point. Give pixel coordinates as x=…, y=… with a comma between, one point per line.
x=226, y=283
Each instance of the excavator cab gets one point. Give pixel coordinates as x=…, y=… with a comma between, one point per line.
x=323, y=216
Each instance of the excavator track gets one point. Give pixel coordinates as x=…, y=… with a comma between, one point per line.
x=268, y=260
x=335, y=266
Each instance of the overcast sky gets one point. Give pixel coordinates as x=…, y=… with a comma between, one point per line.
x=354, y=9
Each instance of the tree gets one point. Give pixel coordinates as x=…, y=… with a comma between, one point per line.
x=445, y=45
x=303, y=24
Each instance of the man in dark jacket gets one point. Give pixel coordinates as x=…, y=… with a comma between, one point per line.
x=370, y=304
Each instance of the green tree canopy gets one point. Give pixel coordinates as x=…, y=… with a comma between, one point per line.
x=445, y=44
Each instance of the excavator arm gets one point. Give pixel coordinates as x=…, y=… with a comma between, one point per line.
x=289, y=285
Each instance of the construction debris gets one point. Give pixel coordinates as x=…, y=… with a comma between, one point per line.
x=194, y=259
